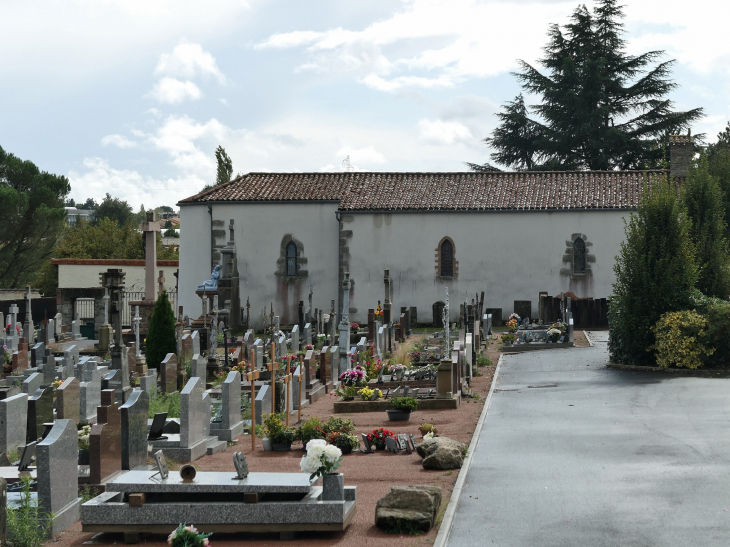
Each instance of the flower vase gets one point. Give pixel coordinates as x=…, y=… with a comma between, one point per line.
x=333, y=487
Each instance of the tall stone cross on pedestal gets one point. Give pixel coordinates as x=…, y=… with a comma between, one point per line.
x=149, y=233
x=344, y=325
x=29, y=327
x=445, y=319
x=136, y=321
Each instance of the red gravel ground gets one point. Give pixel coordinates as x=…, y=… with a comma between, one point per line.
x=373, y=474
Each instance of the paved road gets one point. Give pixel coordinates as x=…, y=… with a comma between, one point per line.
x=606, y=458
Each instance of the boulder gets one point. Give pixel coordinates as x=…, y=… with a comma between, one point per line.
x=408, y=507
x=442, y=453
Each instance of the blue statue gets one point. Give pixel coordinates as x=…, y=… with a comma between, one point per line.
x=212, y=283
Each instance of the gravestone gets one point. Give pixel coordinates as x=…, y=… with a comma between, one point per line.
x=333, y=356
x=187, y=345
x=20, y=357
x=297, y=377
x=148, y=384
x=50, y=333
x=76, y=329
x=68, y=400
x=70, y=360
x=58, y=323
x=105, y=440
x=49, y=369
x=32, y=383
x=57, y=462
x=295, y=339
x=496, y=313
x=248, y=340
x=37, y=355
x=325, y=365
x=168, y=373
x=307, y=335
x=200, y=364
x=134, y=430
x=90, y=393
x=40, y=411
x=523, y=308
x=263, y=403
x=231, y=424
x=259, y=347
x=13, y=421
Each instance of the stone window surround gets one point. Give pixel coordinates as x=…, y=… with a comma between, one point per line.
x=438, y=259
x=568, y=258
x=301, y=260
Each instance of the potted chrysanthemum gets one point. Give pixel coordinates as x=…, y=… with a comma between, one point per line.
x=322, y=460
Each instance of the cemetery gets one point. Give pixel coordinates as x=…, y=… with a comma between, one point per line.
x=183, y=420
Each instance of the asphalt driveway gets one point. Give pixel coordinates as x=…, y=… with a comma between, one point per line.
x=575, y=454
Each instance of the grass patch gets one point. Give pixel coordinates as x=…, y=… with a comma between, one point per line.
x=164, y=402
x=402, y=526
x=87, y=493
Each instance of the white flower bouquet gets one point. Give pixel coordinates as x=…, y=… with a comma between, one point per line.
x=321, y=458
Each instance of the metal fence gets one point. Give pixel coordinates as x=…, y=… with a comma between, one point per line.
x=84, y=309
x=130, y=296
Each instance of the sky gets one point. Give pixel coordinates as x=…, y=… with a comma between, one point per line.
x=132, y=97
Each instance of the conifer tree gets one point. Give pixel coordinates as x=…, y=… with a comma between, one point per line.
x=655, y=273
x=600, y=108
x=161, y=333
x=703, y=201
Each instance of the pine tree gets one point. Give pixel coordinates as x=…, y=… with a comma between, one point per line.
x=718, y=155
x=702, y=200
x=655, y=273
x=601, y=108
x=161, y=333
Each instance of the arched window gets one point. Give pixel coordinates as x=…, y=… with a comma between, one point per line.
x=579, y=256
x=447, y=258
x=291, y=259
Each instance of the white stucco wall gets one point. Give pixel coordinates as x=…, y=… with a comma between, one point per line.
x=78, y=276
x=510, y=256
x=259, y=230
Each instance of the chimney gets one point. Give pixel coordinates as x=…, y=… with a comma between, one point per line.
x=681, y=152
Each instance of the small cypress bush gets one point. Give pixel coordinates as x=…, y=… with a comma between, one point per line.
x=655, y=274
x=161, y=334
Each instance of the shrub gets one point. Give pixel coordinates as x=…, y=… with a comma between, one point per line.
x=341, y=425
x=655, y=274
x=26, y=525
x=681, y=340
x=276, y=431
x=407, y=404
x=718, y=317
x=161, y=333
x=484, y=361
x=311, y=429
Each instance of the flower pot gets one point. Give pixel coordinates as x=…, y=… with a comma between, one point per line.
x=399, y=415
x=281, y=447
x=267, y=444
x=333, y=487
x=379, y=447
x=346, y=449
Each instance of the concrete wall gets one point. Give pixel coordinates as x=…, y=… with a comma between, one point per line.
x=259, y=231
x=510, y=256
x=78, y=276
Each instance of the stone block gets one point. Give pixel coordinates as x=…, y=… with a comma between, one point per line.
x=13, y=422
x=134, y=430
x=414, y=506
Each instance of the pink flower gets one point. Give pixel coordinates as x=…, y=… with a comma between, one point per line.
x=205, y=542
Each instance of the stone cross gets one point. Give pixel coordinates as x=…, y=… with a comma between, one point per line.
x=345, y=322
x=136, y=321
x=106, y=305
x=149, y=229
x=161, y=282
x=29, y=326
x=445, y=319
x=309, y=310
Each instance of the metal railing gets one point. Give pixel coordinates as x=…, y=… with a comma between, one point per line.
x=130, y=296
x=84, y=308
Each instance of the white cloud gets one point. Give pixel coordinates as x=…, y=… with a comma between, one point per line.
x=173, y=91
x=189, y=61
x=120, y=141
x=131, y=186
x=443, y=133
x=430, y=43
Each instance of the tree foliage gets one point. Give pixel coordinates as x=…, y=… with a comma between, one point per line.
x=32, y=216
x=718, y=159
x=703, y=202
x=115, y=209
x=224, y=173
x=600, y=108
x=655, y=274
x=161, y=333
x=107, y=239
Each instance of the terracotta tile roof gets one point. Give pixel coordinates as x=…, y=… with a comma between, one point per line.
x=464, y=191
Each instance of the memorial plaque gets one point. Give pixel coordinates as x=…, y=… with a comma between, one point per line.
x=239, y=461
x=161, y=465
x=158, y=424
x=403, y=441
x=391, y=445
x=40, y=411
x=366, y=443
x=27, y=456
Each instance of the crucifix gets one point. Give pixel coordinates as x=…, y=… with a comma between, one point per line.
x=106, y=305
x=445, y=319
x=251, y=377
x=137, y=319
